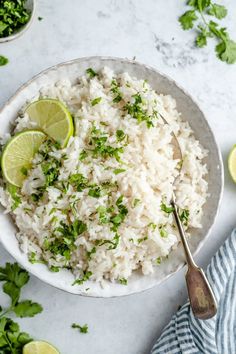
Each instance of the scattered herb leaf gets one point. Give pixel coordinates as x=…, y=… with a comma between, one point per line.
x=82, y=329
x=3, y=60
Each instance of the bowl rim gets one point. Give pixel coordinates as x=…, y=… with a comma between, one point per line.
x=221, y=169
x=22, y=29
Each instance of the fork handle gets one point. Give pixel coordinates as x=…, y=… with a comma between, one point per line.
x=201, y=296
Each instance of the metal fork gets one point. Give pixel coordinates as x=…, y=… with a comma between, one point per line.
x=201, y=296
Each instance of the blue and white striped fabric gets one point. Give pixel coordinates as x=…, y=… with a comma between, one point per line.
x=187, y=335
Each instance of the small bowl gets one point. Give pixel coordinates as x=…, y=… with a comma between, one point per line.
x=30, y=5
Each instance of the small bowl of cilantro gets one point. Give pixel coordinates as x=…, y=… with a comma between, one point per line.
x=15, y=18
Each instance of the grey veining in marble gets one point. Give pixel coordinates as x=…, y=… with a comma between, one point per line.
x=147, y=29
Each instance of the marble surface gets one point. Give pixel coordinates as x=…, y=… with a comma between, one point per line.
x=148, y=30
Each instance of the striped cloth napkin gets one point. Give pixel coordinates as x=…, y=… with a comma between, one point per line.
x=187, y=335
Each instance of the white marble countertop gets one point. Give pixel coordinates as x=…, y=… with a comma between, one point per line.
x=147, y=29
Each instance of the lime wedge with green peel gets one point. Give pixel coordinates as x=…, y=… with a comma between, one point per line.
x=53, y=118
x=18, y=154
x=232, y=163
x=39, y=347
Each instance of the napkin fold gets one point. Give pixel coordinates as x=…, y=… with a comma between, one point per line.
x=185, y=334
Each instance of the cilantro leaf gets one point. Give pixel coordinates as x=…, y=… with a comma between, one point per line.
x=15, y=274
x=123, y=281
x=117, y=171
x=184, y=216
x=163, y=232
x=91, y=73
x=201, y=39
x=27, y=308
x=202, y=4
x=16, y=199
x=82, y=329
x=3, y=60
x=219, y=11
x=13, y=291
x=84, y=278
x=116, y=91
x=166, y=209
x=226, y=51
x=96, y=101
x=187, y=19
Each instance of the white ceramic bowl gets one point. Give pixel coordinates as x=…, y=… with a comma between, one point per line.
x=190, y=111
x=30, y=5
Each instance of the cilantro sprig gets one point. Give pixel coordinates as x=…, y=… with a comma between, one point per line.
x=200, y=16
x=14, y=278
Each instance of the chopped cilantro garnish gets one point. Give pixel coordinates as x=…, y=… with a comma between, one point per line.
x=184, y=216
x=95, y=192
x=51, y=171
x=36, y=197
x=103, y=215
x=119, y=170
x=64, y=243
x=135, y=202
x=152, y=225
x=82, y=329
x=32, y=258
x=84, y=278
x=83, y=155
x=116, y=91
x=113, y=243
x=166, y=209
x=142, y=239
x=40, y=18
x=16, y=199
x=158, y=260
x=79, y=181
x=162, y=230
x=13, y=15
x=137, y=111
x=91, y=73
x=117, y=219
x=120, y=135
x=96, y=101
x=89, y=253
x=54, y=269
x=101, y=148
x=123, y=281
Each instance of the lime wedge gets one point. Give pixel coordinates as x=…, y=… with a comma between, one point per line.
x=18, y=154
x=53, y=118
x=39, y=347
x=232, y=163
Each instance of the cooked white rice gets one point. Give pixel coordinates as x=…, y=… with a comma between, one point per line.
x=146, y=234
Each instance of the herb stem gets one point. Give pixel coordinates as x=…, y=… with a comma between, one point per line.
x=6, y=311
